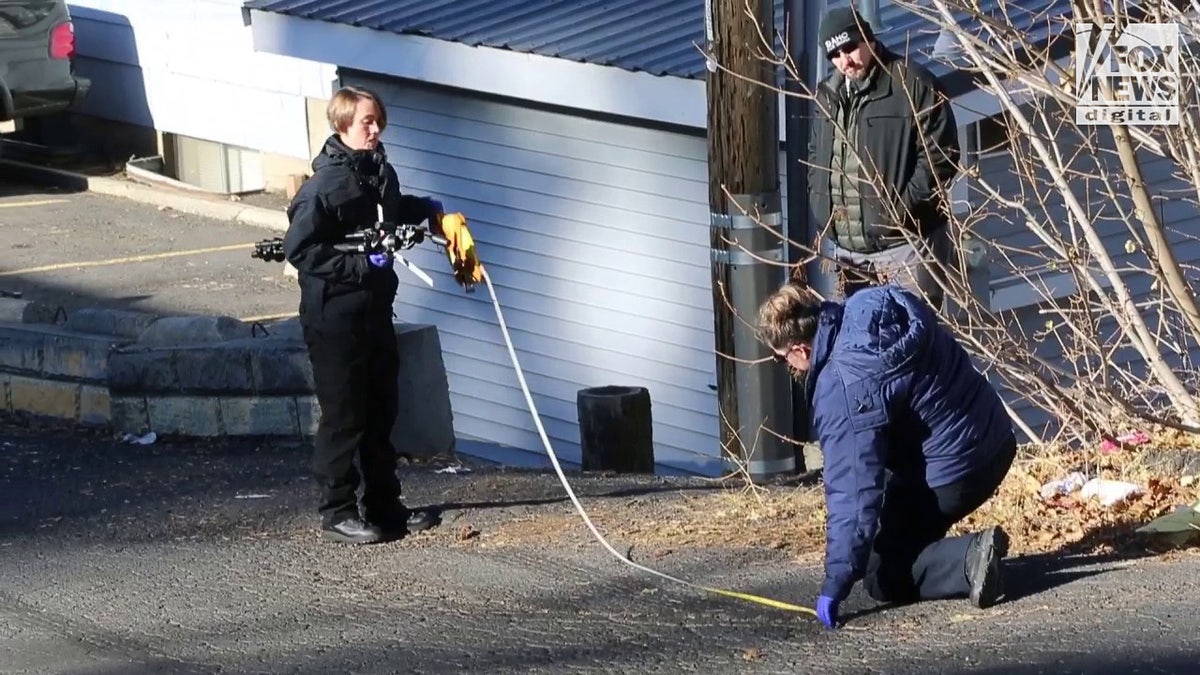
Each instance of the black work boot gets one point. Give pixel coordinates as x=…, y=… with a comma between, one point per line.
x=983, y=566
x=398, y=518
x=421, y=520
x=351, y=530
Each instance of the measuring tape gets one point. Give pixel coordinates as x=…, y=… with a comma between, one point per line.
x=537, y=420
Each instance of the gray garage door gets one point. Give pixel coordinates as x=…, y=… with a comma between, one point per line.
x=596, y=233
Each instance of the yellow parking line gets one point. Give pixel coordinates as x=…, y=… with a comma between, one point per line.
x=269, y=317
x=39, y=202
x=121, y=261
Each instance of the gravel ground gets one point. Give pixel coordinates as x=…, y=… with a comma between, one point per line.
x=191, y=557
x=201, y=557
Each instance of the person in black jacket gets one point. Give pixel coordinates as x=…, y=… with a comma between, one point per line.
x=914, y=439
x=883, y=150
x=346, y=317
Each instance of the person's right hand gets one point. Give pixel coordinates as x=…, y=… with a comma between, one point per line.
x=380, y=260
x=827, y=611
x=435, y=209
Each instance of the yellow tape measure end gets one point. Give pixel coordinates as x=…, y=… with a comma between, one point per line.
x=777, y=604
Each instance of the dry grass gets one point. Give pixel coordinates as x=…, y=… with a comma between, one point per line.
x=1070, y=523
x=793, y=519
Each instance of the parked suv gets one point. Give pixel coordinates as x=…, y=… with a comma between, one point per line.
x=37, y=52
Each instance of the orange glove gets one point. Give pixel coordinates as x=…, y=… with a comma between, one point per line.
x=460, y=248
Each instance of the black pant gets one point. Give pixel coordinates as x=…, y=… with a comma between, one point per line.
x=355, y=366
x=911, y=560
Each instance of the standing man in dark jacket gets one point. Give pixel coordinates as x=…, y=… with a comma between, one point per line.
x=884, y=148
x=346, y=316
x=914, y=439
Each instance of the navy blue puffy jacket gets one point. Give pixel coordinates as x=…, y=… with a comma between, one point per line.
x=892, y=389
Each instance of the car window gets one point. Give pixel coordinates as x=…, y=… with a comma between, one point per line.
x=17, y=15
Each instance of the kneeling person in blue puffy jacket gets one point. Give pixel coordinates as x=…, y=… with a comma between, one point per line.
x=914, y=439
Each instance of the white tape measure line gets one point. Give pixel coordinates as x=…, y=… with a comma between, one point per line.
x=537, y=420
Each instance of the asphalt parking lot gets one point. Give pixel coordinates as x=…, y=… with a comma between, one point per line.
x=198, y=557
x=201, y=556
x=77, y=250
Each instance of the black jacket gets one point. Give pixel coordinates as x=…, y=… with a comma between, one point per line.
x=906, y=133
x=342, y=197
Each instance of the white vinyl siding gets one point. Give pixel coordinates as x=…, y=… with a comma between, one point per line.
x=596, y=234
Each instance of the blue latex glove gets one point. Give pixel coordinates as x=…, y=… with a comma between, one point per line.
x=827, y=611
x=379, y=260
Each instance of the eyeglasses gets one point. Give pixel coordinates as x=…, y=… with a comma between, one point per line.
x=843, y=50
x=777, y=357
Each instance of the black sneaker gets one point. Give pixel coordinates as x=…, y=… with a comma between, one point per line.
x=399, y=518
x=352, y=531
x=421, y=520
x=983, y=566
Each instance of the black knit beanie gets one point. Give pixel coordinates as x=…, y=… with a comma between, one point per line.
x=843, y=26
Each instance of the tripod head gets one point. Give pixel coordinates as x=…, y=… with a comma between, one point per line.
x=380, y=238
x=270, y=250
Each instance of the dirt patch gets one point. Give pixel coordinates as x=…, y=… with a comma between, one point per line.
x=784, y=519
x=1073, y=524
x=793, y=518
x=650, y=516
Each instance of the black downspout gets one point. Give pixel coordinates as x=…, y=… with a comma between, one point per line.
x=802, y=19
x=796, y=153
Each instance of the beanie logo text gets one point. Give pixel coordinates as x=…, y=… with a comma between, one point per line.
x=837, y=41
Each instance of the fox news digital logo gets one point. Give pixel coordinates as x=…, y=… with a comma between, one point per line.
x=1133, y=79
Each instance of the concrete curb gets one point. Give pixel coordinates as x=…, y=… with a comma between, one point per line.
x=146, y=194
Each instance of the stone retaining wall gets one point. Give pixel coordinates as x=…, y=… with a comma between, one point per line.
x=196, y=376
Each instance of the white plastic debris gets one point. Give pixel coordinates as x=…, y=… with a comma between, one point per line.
x=1109, y=492
x=134, y=439
x=254, y=496
x=1064, y=486
x=453, y=469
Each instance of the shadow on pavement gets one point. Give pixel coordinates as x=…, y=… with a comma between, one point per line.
x=57, y=477
x=1097, y=664
x=11, y=188
x=1032, y=575
x=589, y=494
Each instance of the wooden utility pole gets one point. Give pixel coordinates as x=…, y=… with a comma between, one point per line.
x=743, y=196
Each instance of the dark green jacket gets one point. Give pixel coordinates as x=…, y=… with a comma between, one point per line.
x=907, y=138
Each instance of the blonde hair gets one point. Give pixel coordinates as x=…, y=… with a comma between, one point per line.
x=340, y=111
x=789, y=317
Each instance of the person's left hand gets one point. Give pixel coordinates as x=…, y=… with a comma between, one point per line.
x=827, y=611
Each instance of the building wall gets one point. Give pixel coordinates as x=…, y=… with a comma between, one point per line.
x=189, y=67
x=596, y=234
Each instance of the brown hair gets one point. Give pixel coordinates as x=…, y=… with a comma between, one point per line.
x=789, y=316
x=340, y=111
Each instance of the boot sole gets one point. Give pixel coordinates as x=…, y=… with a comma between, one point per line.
x=343, y=539
x=991, y=587
x=1002, y=542
x=391, y=526
x=429, y=525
